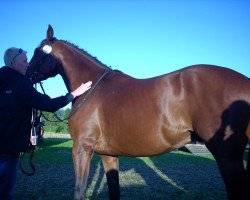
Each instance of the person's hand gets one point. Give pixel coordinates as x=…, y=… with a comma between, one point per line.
x=81, y=89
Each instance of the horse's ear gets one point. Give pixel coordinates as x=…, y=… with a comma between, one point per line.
x=50, y=33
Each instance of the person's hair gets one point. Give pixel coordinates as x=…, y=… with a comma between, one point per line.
x=10, y=54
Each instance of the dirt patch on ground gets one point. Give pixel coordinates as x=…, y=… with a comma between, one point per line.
x=56, y=135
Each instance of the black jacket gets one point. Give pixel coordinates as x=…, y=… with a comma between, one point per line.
x=17, y=98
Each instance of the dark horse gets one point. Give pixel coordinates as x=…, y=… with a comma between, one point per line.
x=125, y=116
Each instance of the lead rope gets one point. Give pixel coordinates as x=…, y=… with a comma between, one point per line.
x=59, y=120
x=30, y=162
x=32, y=148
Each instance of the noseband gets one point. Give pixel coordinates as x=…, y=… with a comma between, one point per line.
x=33, y=76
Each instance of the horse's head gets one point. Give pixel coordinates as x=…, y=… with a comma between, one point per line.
x=43, y=65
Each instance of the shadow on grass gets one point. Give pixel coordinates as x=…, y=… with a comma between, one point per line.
x=169, y=176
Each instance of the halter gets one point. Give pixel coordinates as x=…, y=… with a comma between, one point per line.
x=46, y=51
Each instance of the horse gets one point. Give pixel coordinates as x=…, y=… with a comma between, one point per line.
x=125, y=116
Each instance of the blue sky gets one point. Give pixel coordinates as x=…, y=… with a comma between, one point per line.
x=143, y=38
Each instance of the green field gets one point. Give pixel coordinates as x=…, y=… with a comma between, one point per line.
x=177, y=175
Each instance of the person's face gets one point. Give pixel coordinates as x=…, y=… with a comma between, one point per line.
x=20, y=63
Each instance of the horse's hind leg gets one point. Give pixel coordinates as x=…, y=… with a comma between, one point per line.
x=229, y=157
x=111, y=167
x=234, y=178
x=81, y=157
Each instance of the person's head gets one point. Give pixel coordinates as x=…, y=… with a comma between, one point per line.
x=16, y=59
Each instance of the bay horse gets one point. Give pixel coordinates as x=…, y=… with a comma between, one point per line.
x=125, y=116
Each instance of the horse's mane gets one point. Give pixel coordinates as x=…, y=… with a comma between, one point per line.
x=86, y=53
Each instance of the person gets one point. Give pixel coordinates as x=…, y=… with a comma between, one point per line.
x=17, y=98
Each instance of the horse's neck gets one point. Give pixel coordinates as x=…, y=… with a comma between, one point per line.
x=78, y=68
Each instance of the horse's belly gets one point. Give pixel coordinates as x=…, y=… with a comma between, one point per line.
x=143, y=146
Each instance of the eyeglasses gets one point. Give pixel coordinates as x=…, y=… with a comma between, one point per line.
x=19, y=51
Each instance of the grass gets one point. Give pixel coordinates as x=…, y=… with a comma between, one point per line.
x=177, y=175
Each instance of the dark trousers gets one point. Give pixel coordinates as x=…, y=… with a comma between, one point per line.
x=8, y=173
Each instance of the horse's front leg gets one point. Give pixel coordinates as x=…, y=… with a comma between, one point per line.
x=111, y=167
x=81, y=157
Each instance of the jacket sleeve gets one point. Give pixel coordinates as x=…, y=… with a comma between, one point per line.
x=32, y=98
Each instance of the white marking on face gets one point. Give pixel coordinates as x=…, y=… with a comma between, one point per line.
x=47, y=49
